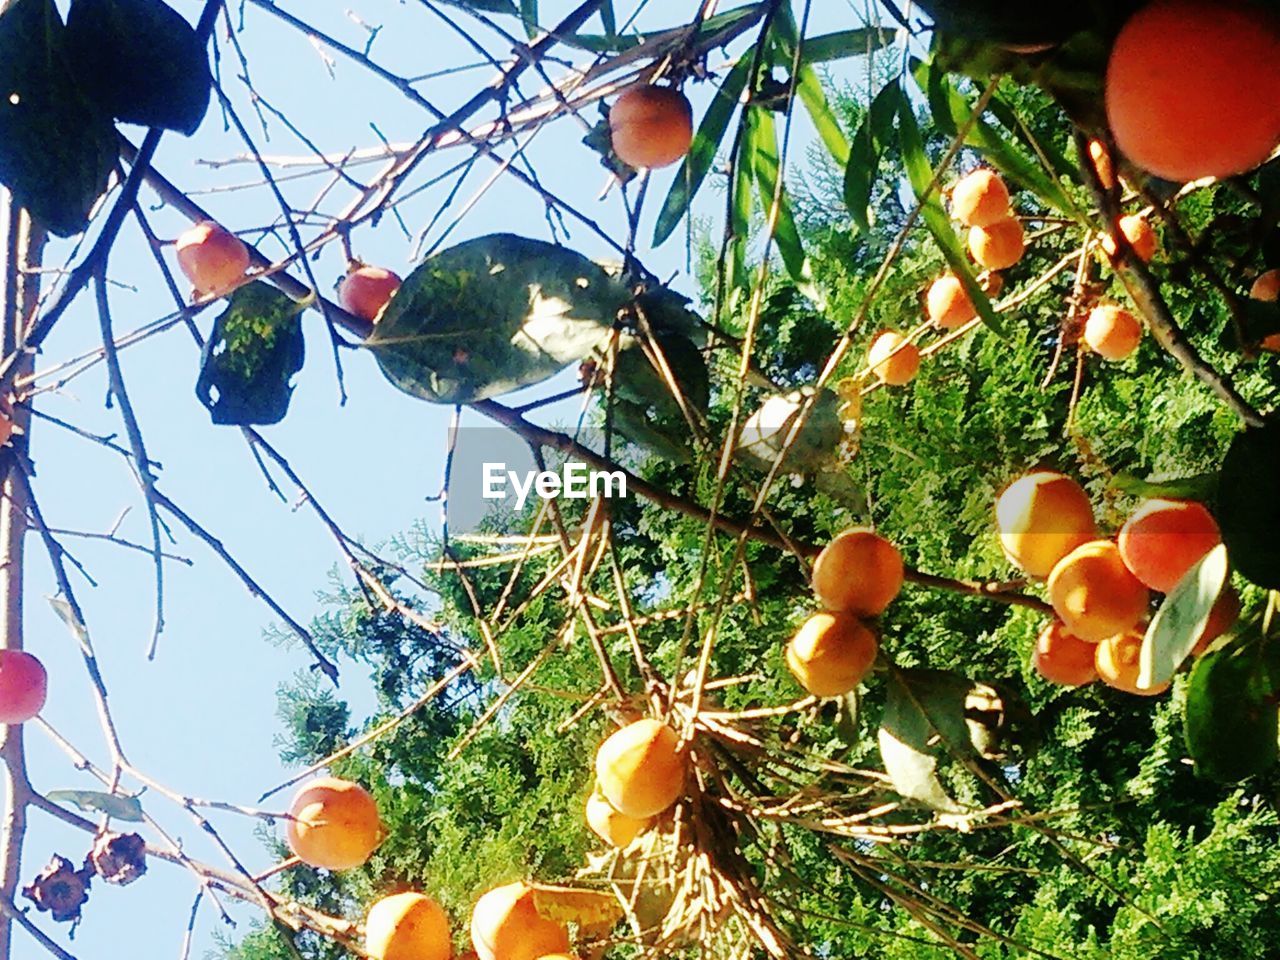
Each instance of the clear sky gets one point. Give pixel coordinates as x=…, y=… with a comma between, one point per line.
x=202, y=717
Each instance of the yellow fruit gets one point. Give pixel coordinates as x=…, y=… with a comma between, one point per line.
x=506, y=925
x=980, y=199
x=1117, y=662
x=948, y=304
x=1094, y=594
x=651, y=126
x=407, y=926
x=893, y=359
x=641, y=769
x=998, y=246
x=334, y=824
x=1112, y=332
x=1136, y=229
x=614, y=828
x=1042, y=517
x=859, y=572
x=831, y=653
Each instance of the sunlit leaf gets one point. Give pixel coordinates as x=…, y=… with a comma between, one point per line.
x=865, y=151
x=762, y=143
x=91, y=801
x=1179, y=623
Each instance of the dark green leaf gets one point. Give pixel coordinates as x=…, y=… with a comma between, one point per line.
x=252, y=356
x=529, y=14
x=1200, y=487
x=492, y=315
x=809, y=88
x=56, y=148
x=715, y=31
x=1248, y=508
x=141, y=62
x=92, y=801
x=1231, y=713
x=845, y=43
x=1009, y=21
x=1179, y=623
x=865, y=151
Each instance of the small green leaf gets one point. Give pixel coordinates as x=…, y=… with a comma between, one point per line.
x=762, y=146
x=1231, y=719
x=1202, y=486
x=251, y=357
x=1179, y=623
x=529, y=14
x=91, y=801
x=864, y=153
x=1248, y=509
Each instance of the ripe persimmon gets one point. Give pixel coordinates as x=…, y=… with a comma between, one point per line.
x=334, y=824
x=999, y=245
x=1112, y=332
x=893, y=359
x=407, y=926
x=980, y=199
x=947, y=303
x=651, y=126
x=1094, y=594
x=212, y=257
x=1223, y=616
x=1266, y=287
x=506, y=925
x=1063, y=658
x=641, y=768
x=1117, y=662
x=859, y=572
x=1193, y=87
x=1163, y=539
x=1041, y=517
x=24, y=684
x=1137, y=230
x=365, y=291
x=831, y=653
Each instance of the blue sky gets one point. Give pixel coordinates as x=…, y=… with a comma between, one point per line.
x=202, y=717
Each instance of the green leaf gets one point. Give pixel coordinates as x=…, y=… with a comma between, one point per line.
x=529, y=14
x=858, y=42
x=1179, y=623
x=491, y=315
x=250, y=359
x=1248, y=509
x=920, y=175
x=702, y=154
x=864, y=154
x=141, y=62
x=1003, y=21
x=714, y=32
x=809, y=88
x=91, y=801
x=56, y=149
x=1231, y=714
x=1202, y=486
x=762, y=146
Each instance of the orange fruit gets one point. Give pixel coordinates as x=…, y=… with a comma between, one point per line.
x=831, y=653
x=1136, y=229
x=1063, y=658
x=1116, y=660
x=1041, y=517
x=213, y=258
x=24, y=685
x=992, y=283
x=365, y=291
x=893, y=359
x=980, y=199
x=334, y=824
x=998, y=246
x=1101, y=161
x=1266, y=287
x=1193, y=88
x=614, y=828
x=1112, y=332
x=948, y=304
x=1166, y=538
x=407, y=926
x=859, y=572
x=641, y=769
x=651, y=126
x=1223, y=616
x=1094, y=594
x=506, y=925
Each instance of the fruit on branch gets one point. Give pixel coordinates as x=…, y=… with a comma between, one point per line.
x=1112, y=332
x=831, y=653
x=1116, y=659
x=1063, y=658
x=365, y=290
x=407, y=926
x=1137, y=229
x=213, y=258
x=998, y=246
x=1094, y=594
x=334, y=824
x=1100, y=157
x=23, y=686
x=614, y=828
x=1041, y=517
x=893, y=359
x=1163, y=539
x=1223, y=616
x=60, y=889
x=651, y=126
x=119, y=858
x=980, y=199
x=992, y=283
x=859, y=572
x=506, y=925
x=947, y=303
x=641, y=768
x=1193, y=88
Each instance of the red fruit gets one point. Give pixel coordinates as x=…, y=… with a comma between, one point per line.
x=213, y=258
x=651, y=126
x=367, y=290
x=1166, y=538
x=1063, y=658
x=23, y=686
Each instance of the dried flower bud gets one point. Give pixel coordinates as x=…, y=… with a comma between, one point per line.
x=119, y=858
x=60, y=889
